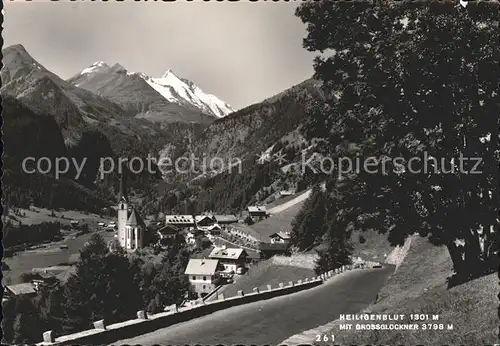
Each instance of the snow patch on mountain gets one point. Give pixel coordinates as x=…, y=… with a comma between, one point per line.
x=95, y=67
x=182, y=91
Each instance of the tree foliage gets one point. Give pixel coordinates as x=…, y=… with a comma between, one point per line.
x=99, y=288
x=26, y=235
x=309, y=226
x=412, y=80
x=336, y=253
x=26, y=326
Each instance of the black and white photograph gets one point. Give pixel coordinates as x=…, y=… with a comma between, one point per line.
x=313, y=172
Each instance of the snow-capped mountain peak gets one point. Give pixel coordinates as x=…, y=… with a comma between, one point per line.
x=184, y=92
x=170, y=86
x=95, y=67
x=167, y=73
x=169, y=78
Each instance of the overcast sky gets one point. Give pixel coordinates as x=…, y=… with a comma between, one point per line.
x=241, y=52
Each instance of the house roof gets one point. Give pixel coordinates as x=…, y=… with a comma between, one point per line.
x=45, y=275
x=168, y=230
x=226, y=218
x=214, y=226
x=179, y=219
x=135, y=219
x=19, y=289
x=281, y=235
x=198, y=218
x=221, y=253
x=257, y=209
x=201, y=266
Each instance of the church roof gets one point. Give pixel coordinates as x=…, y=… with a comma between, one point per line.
x=135, y=219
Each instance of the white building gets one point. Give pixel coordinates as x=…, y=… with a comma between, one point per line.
x=130, y=224
x=203, y=274
x=181, y=221
x=257, y=213
x=230, y=258
x=280, y=237
x=167, y=234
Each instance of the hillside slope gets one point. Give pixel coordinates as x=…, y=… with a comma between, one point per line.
x=73, y=108
x=419, y=286
x=90, y=127
x=238, y=139
x=253, y=129
x=278, y=222
x=27, y=134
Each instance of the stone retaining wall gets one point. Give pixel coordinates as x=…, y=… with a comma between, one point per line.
x=144, y=323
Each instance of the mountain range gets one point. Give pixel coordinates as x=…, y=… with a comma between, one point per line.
x=156, y=99
x=108, y=111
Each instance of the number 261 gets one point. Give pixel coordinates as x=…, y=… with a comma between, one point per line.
x=325, y=338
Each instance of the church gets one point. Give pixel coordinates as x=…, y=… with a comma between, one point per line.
x=130, y=225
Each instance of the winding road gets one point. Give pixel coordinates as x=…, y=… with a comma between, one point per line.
x=281, y=207
x=272, y=321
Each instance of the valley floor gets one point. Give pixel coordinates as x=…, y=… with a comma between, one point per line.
x=50, y=254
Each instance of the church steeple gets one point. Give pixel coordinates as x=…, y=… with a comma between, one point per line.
x=122, y=210
x=122, y=195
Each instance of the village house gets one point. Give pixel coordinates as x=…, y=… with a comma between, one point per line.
x=203, y=221
x=226, y=219
x=231, y=259
x=280, y=237
x=44, y=278
x=214, y=230
x=25, y=289
x=110, y=226
x=203, y=274
x=268, y=250
x=181, y=221
x=192, y=234
x=167, y=234
x=253, y=257
x=257, y=213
